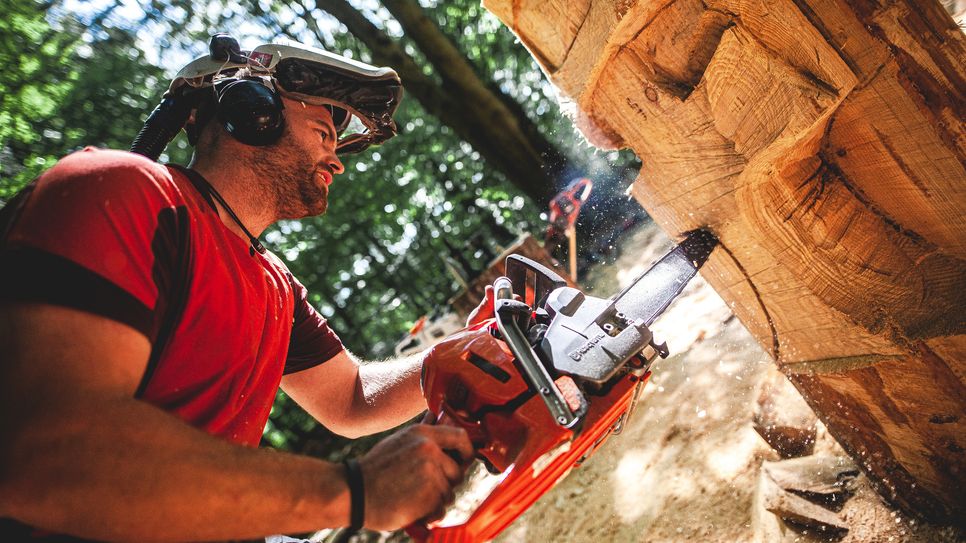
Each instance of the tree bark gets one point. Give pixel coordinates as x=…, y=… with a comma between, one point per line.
x=461, y=102
x=823, y=142
x=489, y=103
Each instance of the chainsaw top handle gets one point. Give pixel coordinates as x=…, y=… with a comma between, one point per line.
x=509, y=314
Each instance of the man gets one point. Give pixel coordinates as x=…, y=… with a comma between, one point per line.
x=143, y=337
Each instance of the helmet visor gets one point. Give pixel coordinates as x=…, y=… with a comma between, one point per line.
x=370, y=99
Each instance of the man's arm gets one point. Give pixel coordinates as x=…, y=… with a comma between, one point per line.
x=354, y=398
x=81, y=456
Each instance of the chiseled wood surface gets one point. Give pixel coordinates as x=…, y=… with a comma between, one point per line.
x=823, y=142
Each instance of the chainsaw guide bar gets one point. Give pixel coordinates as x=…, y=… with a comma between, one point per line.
x=542, y=385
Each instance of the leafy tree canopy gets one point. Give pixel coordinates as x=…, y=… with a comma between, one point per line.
x=68, y=82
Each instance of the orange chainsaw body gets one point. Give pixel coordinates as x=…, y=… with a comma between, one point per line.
x=471, y=382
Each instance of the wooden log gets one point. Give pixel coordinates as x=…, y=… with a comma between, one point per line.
x=783, y=419
x=823, y=142
x=824, y=479
x=799, y=511
x=766, y=525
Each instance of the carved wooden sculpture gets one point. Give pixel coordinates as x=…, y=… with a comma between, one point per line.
x=823, y=142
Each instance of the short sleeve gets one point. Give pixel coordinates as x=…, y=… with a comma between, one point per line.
x=313, y=342
x=99, y=232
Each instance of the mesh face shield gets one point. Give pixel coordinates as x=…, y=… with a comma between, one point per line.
x=349, y=95
x=362, y=98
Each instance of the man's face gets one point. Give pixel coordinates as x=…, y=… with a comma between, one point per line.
x=301, y=165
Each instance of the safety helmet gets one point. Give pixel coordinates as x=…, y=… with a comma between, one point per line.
x=246, y=87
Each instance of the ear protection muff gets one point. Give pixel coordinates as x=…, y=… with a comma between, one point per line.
x=250, y=109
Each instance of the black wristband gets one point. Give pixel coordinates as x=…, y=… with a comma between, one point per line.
x=357, y=493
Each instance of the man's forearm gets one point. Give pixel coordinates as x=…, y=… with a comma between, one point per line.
x=120, y=469
x=388, y=393
x=354, y=398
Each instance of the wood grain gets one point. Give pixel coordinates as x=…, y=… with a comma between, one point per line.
x=823, y=142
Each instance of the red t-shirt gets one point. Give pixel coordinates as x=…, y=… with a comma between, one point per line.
x=115, y=234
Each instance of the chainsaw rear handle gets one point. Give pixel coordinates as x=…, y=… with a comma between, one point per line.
x=508, y=312
x=419, y=529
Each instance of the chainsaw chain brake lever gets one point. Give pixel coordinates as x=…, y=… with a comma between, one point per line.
x=545, y=280
x=509, y=313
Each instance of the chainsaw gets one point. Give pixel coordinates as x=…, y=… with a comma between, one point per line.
x=540, y=386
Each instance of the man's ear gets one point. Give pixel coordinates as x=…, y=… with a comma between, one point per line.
x=201, y=114
x=191, y=128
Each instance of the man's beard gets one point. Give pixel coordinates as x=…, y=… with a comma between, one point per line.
x=297, y=185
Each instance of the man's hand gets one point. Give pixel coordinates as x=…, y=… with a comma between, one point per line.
x=410, y=475
x=484, y=310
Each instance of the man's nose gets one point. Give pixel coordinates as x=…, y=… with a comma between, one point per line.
x=336, y=165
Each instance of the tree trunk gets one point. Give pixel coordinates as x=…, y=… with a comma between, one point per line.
x=488, y=103
x=462, y=102
x=822, y=141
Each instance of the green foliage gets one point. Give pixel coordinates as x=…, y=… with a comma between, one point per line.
x=31, y=86
x=68, y=83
